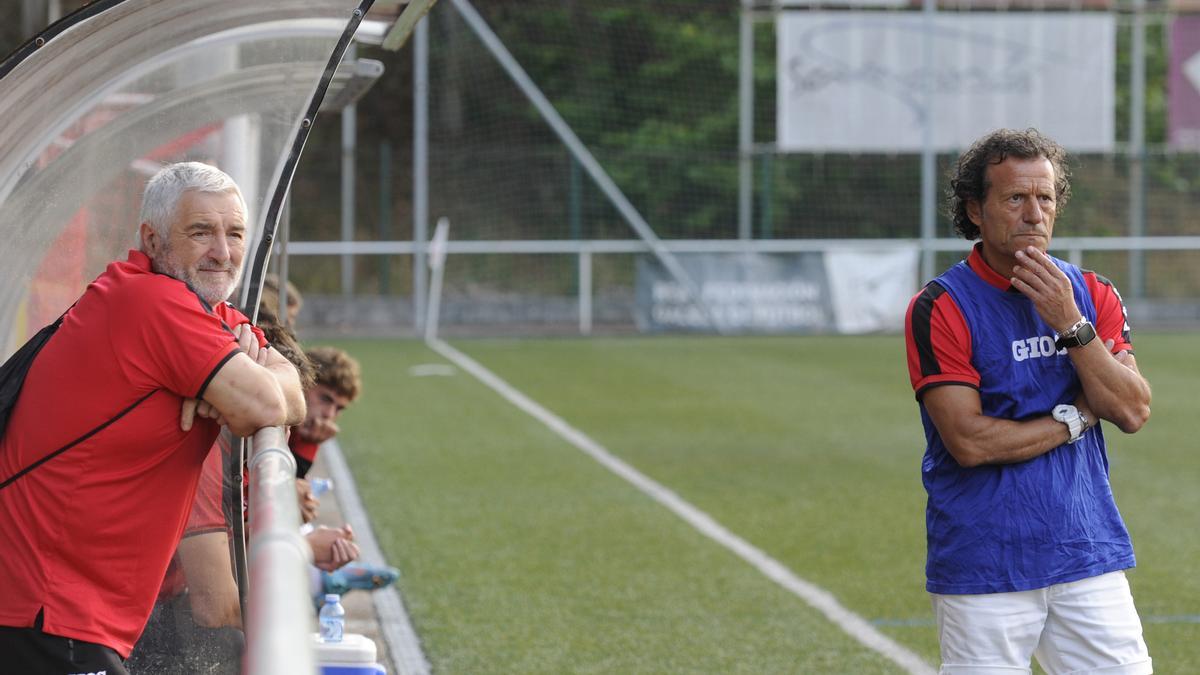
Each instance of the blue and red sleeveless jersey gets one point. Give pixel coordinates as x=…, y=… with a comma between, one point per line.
x=1012, y=527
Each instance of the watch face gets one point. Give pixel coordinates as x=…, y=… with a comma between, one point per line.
x=1086, y=333
x=1082, y=335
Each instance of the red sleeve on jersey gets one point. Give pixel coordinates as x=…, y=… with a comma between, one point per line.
x=233, y=318
x=1112, y=321
x=306, y=450
x=938, y=342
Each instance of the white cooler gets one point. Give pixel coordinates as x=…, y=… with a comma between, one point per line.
x=354, y=655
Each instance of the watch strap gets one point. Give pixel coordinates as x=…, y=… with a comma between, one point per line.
x=1076, y=426
x=1074, y=420
x=1078, y=335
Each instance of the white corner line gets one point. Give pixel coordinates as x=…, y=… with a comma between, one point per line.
x=402, y=641
x=820, y=599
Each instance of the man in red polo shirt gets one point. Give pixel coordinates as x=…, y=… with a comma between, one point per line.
x=105, y=445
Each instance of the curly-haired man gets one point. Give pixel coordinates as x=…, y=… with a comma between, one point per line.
x=1015, y=357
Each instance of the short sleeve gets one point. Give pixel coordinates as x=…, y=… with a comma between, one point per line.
x=1112, y=320
x=233, y=318
x=937, y=342
x=168, y=337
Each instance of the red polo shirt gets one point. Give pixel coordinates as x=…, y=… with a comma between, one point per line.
x=305, y=452
x=86, y=536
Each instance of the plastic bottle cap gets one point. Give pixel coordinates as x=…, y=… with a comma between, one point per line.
x=332, y=598
x=321, y=485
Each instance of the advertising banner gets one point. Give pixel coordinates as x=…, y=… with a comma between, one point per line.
x=1183, y=84
x=871, y=290
x=808, y=292
x=859, y=81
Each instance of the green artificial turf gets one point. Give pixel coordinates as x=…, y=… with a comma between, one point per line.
x=521, y=554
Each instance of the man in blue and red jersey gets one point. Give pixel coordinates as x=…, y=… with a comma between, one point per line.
x=105, y=445
x=1015, y=357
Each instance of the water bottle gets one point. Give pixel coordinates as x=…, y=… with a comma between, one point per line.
x=320, y=486
x=333, y=619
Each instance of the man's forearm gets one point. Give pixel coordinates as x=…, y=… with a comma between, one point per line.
x=212, y=591
x=289, y=386
x=975, y=439
x=1115, y=389
x=990, y=440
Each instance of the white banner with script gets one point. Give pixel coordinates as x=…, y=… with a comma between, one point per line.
x=858, y=81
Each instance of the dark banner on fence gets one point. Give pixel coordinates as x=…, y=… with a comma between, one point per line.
x=806, y=292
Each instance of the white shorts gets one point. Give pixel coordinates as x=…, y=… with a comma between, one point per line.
x=1085, y=626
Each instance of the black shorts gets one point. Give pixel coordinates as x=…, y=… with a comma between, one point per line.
x=29, y=650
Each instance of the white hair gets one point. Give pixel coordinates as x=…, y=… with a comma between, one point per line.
x=167, y=187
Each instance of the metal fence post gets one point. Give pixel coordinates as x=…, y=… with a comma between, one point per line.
x=745, y=120
x=585, y=291
x=349, y=125
x=1137, y=146
x=928, y=151
x=420, y=172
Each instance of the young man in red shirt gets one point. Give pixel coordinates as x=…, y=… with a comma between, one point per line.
x=338, y=383
x=105, y=445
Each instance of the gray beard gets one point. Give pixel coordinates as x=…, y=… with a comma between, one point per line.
x=212, y=293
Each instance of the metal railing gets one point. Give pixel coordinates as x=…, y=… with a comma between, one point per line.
x=1073, y=245
x=279, y=620
x=1071, y=249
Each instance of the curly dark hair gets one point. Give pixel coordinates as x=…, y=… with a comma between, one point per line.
x=337, y=370
x=968, y=180
x=284, y=341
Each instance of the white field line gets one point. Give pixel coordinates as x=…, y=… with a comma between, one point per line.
x=403, y=645
x=820, y=599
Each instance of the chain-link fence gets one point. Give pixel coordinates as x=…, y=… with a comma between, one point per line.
x=652, y=91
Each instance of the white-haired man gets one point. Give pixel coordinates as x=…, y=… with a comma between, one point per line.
x=106, y=443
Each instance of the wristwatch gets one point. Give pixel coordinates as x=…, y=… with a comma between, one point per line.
x=1077, y=335
x=1070, y=416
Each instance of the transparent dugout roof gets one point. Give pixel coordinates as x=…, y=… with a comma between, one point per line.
x=118, y=89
